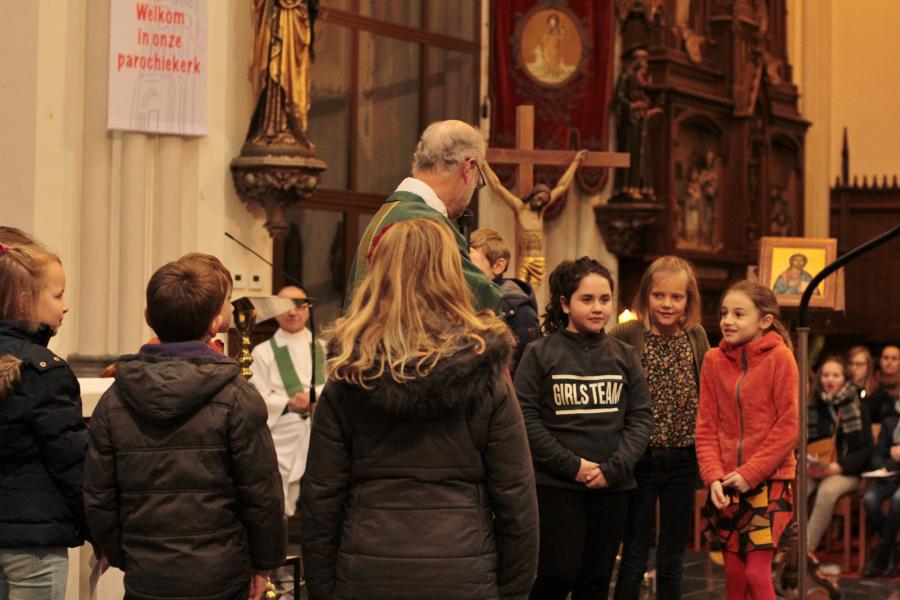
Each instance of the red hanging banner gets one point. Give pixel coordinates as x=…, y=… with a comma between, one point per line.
x=556, y=55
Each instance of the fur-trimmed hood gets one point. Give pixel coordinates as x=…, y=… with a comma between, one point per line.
x=452, y=382
x=9, y=374
x=19, y=350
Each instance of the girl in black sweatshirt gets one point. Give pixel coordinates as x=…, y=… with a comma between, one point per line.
x=586, y=407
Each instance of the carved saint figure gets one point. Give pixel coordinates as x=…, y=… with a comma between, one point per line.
x=692, y=207
x=698, y=201
x=279, y=72
x=529, y=212
x=709, y=188
x=633, y=111
x=780, y=223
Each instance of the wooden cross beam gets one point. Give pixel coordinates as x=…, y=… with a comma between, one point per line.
x=526, y=157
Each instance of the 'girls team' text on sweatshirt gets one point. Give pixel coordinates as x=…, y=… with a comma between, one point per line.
x=583, y=396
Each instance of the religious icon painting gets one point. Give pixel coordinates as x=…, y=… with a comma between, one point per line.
x=551, y=45
x=787, y=265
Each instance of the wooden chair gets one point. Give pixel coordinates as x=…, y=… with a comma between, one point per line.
x=843, y=510
x=865, y=542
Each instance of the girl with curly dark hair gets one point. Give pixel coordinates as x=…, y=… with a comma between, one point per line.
x=587, y=412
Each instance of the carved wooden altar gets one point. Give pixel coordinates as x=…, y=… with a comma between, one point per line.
x=725, y=151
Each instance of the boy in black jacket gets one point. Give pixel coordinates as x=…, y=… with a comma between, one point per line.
x=490, y=253
x=182, y=489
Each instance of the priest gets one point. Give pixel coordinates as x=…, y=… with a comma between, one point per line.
x=446, y=172
x=284, y=368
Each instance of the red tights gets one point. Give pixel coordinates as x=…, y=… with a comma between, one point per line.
x=750, y=576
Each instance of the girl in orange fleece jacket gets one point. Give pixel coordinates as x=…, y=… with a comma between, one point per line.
x=747, y=429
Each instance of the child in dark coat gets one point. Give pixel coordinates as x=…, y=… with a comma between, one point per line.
x=181, y=483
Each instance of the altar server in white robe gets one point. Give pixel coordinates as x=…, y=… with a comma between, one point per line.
x=282, y=371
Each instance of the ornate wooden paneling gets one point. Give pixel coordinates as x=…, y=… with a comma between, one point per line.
x=861, y=210
x=726, y=148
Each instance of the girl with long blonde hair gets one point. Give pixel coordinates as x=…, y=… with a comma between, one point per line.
x=671, y=343
x=418, y=430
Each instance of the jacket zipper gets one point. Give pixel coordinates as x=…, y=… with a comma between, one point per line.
x=740, y=448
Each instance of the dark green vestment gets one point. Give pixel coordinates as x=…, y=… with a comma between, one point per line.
x=405, y=206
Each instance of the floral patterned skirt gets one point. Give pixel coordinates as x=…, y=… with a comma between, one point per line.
x=757, y=520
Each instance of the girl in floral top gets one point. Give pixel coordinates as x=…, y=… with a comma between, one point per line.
x=671, y=343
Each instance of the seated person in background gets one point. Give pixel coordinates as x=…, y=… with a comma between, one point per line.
x=861, y=370
x=887, y=456
x=888, y=389
x=282, y=370
x=837, y=413
x=490, y=253
x=181, y=483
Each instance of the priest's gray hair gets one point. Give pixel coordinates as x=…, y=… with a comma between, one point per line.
x=444, y=145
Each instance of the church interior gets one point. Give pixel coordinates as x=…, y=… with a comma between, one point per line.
x=734, y=134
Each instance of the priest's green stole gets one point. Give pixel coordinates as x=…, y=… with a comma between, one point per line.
x=289, y=377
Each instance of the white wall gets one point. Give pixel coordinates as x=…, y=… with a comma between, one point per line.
x=116, y=206
x=18, y=79
x=865, y=86
x=844, y=55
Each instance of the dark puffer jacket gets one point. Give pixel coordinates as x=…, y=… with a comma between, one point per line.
x=519, y=307
x=881, y=454
x=42, y=444
x=181, y=483
x=422, y=490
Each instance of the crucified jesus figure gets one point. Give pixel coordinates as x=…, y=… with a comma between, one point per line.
x=529, y=213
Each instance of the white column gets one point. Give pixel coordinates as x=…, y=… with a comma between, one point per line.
x=96, y=219
x=134, y=241
x=812, y=21
x=167, y=195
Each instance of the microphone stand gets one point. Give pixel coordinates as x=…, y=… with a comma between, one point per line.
x=465, y=221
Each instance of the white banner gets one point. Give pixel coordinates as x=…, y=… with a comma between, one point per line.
x=157, y=66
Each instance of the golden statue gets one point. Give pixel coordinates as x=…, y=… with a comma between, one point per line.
x=279, y=73
x=529, y=212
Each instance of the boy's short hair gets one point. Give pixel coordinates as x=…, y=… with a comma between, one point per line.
x=184, y=296
x=491, y=244
x=208, y=261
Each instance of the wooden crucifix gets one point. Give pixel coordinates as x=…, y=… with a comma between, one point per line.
x=529, y=203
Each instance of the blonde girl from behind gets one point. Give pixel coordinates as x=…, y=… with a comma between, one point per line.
x=747, y=430
x=418, y=454
x=42, y=433
x=671, y=344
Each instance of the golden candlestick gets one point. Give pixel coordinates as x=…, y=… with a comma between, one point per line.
x=244, y=320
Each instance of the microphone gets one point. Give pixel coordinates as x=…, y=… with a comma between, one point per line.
x=260, y=257
x=465, y=221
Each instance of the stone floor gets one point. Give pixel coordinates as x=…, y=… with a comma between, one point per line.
x=705, y=580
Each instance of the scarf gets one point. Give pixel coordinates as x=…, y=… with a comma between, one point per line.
x=843, y=405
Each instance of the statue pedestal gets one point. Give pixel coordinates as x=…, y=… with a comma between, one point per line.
x=276, y=183
x=629, y=228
